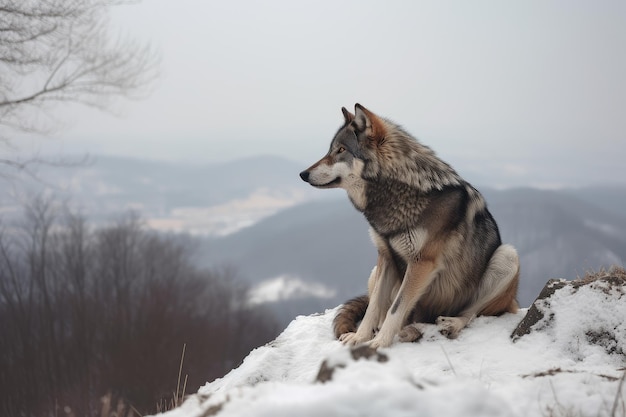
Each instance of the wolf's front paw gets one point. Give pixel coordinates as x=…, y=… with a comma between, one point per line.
x=360, y=336
x=347, y=337
x=380, y=341
x=450, y=326
x=352, y=339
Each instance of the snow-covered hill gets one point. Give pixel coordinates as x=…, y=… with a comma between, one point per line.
x=561, y=368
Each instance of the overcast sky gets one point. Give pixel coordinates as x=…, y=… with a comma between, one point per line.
x=510, y=93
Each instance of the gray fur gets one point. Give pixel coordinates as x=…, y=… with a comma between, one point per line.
x=435, y=236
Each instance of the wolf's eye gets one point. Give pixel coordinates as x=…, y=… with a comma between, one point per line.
x=341, y=150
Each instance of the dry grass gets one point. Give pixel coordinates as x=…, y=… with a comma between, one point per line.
x=124, y=409
x=619, y=398
x=618, y=408
x=615, y=272
x=178, y=396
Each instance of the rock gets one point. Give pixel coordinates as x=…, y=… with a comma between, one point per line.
x=536, y=311
x=585, y=311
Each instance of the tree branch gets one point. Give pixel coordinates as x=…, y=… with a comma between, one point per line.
x=64, y=47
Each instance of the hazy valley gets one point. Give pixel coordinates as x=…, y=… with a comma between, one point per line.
x=303, y=250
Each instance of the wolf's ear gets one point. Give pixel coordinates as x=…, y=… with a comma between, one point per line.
x=347, y=115
x=368, y=122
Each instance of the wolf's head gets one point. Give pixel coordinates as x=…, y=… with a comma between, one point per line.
x=349, y=150
x=369, y=148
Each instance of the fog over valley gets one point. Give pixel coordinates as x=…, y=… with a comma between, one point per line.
x=302, y=249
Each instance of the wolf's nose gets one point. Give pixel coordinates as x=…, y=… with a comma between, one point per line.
x=305, y=175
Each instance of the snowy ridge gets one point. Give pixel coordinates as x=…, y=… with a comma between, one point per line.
x=287, y=287
x=482, y=373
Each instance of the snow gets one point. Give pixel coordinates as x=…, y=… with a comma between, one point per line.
x=595, y=318
x=286, y=287
x=555, y=370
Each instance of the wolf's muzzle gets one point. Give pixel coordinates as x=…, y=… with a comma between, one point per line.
x=305, y=176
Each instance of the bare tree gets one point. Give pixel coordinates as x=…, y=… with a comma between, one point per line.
x=87, y=311
x=57, y=51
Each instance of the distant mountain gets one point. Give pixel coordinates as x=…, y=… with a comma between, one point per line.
x=276, y=230
x=201, y=199
x=611, y=198
x=557, y=234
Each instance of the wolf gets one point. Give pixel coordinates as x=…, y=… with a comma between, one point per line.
x=440, y=255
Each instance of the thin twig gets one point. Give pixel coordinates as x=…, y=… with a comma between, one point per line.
x=618, y=394
x=180, y=371
x=136, y=411
x=182, y=395
x=448, y=359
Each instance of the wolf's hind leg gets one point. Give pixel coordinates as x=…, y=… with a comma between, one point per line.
x=495, y=295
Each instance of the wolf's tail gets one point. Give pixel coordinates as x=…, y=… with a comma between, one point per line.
x=349, y=315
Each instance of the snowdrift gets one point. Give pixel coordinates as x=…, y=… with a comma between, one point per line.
x=565, y=358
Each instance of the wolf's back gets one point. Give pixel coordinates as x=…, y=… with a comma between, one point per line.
x=350, y=313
